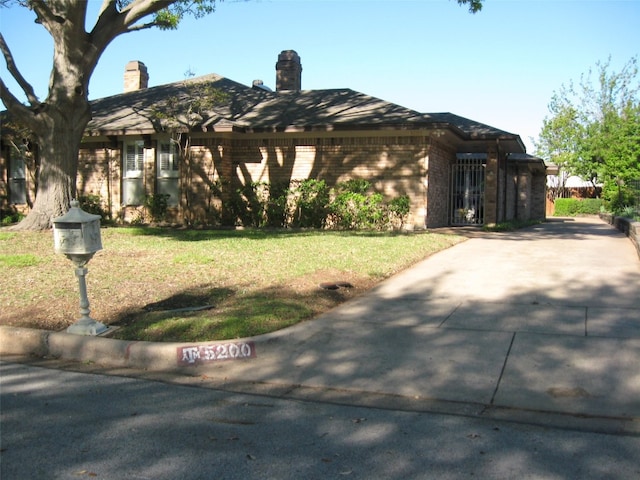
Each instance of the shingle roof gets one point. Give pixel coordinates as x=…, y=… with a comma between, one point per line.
x=243, y=108
x=469, y=127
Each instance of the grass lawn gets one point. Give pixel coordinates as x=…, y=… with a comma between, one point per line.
x=200, y=285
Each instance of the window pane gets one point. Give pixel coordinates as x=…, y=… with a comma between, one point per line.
x=16, y=167
x=167, y=161
x=132, y=191
x=17, y=191
x=134, y=159
x=169, y=186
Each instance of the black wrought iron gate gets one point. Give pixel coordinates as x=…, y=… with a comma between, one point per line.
x=467, y=189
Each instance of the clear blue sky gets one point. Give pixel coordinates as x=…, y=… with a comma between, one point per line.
x=499, y=66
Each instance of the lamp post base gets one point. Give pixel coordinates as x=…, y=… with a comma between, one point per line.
x=83, y=327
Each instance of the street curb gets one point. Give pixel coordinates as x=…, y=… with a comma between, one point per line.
x=104, y=351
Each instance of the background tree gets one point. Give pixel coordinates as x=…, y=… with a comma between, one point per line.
x=594, y=129
x=558, y=142
x=57, y=123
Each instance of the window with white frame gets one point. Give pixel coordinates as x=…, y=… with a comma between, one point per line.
x=167, y=160
x=168, y=171
x=132, y=173
x=134, y=159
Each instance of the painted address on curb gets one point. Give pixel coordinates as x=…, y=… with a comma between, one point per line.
x=197, y=355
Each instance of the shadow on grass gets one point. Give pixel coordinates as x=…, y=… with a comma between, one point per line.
x=206, y=313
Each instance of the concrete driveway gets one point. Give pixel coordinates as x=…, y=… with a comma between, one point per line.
x=545, y=319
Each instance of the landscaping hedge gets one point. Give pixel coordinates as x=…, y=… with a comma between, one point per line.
x=570, y=207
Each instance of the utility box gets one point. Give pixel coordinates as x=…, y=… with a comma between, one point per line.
x=77, y=232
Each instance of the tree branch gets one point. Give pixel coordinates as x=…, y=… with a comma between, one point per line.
x=112, y=22
x=141, y=8
x=44, y=15
x=21, y=113
x=15, y=73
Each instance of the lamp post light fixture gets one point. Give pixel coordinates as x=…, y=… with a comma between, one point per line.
x=76, y=234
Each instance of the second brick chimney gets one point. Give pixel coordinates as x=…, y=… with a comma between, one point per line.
x=288, y=71
x=135, y=76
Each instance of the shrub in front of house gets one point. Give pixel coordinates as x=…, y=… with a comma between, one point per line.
x=93, y=204
x=310, y=203
x=248, y=204
x=354, y=207
x=157, y=206
x=353, y=211
x=571, y=207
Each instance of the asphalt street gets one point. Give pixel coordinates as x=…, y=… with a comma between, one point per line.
x=59, y=424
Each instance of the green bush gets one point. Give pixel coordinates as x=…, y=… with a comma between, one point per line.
x=628, y=212
x=352, y=208
x=399, y=209
x=10, y=217
x=275, y=208
x=308, y=204
x=248, y=204
x=570, y=207
x=93, y=204
x=157, y=205
x=311, y=204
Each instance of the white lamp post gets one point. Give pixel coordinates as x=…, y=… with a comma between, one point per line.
x=76, y=234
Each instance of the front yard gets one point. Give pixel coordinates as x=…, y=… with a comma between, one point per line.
x=199, y=285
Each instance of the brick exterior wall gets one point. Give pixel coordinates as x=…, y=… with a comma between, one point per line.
x=526, y=193
x=411, y=164
x=4, y=178
x=538, y=195
x=491, y=187
x=395, y=166
x=29, y=182
x=511, y=188
x=438, y=186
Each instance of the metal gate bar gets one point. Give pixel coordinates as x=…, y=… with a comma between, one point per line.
x=467, y=189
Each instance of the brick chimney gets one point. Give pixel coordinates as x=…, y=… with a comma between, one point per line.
x=288, y=71
x=135, y=76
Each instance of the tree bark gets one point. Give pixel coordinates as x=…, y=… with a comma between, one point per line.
x=59, y=142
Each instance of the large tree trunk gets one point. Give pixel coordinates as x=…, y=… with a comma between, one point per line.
x=59, y=134
x=58, y=124
x=59, y=146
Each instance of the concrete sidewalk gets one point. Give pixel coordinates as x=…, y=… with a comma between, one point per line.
x=542, y=321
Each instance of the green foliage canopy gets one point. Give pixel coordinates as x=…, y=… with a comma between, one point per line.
x=594, y=128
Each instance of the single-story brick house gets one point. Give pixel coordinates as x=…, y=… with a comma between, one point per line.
x=454, y=170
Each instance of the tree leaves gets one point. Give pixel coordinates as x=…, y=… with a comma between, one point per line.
x=594, y=128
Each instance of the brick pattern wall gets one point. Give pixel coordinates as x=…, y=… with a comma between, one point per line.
x=511, y=189
x=491, y=187
x=524, y=193
x=538, y=195
x=411, y=165
x=438, y=185
x=394, y=165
